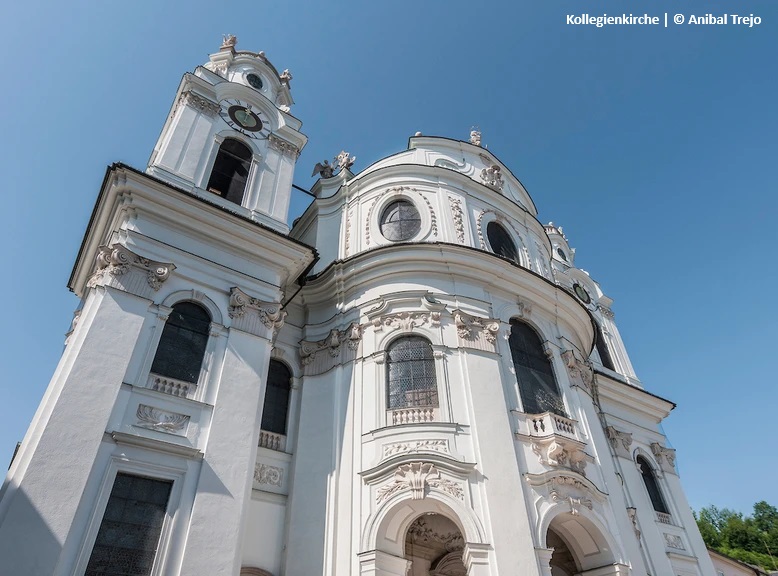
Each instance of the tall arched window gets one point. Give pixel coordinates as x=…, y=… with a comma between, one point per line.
x=537, y=385
x=276, y=408
x=652, y=486
x=602, y=350
x=230, y=171
x=182, y=345
x=410, y=375
x=501, y=242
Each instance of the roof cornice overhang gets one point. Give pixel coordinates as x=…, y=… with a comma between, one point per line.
x=125, y=189
x=396, y=262
x=629, y=397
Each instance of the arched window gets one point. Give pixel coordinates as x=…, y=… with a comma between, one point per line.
x=602, y=350
x=410, y=375
x=182, y=345
x=537, y=385
x=230, y=171
x=276, y=408
x=501, y=242
x=652, y=486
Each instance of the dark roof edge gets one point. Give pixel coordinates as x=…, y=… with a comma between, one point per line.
x=622, y=381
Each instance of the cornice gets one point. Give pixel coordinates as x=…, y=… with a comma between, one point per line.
x=632, y=398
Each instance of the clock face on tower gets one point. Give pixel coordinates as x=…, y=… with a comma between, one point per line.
x=241, y=117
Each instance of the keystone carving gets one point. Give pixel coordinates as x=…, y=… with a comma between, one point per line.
x=116, y=261
x=575, y=503
x=416, y=477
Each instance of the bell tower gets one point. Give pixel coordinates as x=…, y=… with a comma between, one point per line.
x=230, y=136
x=141, y=455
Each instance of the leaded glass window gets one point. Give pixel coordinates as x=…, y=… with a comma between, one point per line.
x=276, y=405
x=182, y=345
x=501, y=242
x=128, y=537
x=537, y=385
x=230, y=171
x=400, y=221
x=652, y=486
x=410, y=377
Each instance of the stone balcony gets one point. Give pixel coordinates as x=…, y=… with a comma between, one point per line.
x=554, y=439
x=411, y=415
x=272, y=441
x=171, y=386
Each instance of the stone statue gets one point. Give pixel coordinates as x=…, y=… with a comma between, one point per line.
x=343, y=161
x=285, y=76
x=475, y=137
x=325, y=170
x=229, y=41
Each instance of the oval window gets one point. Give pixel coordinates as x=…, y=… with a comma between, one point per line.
x=501, y=242
x=400, y=221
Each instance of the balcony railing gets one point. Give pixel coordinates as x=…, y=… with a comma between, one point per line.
x=171, y=386
x=412, y=415
x=664, y=518
x=272, y=441
x=549, y=423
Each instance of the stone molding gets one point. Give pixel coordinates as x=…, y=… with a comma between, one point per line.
x=120, y=267
x=199, y=103
x=581, y=373
x=413, y=447
x=406, y=320
x=269, y=475
x=421, y=533
x=665, y=457
x=621, y=441
x=673, y=541
x=418, y=477
x=491, y=176
x=576, y=503
x=282, y=146
x=565, y=483
x=458, y=217
x=632, y=512
x=161, y=420
x=321, y=355
x=251, y=314
x=557, y=451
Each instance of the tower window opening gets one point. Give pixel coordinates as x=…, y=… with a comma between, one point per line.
x=602, y=349
x=182, y=345
x=230, y=171
x=537, y=385
x=410, y=376
x=400, y=221
x=652, y=486
x=276, y=407
x=501, y=242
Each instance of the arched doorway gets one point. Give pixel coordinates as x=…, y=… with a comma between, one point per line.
x=581, y=548
x=434, y=546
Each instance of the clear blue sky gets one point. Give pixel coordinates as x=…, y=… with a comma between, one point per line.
x=655, y=149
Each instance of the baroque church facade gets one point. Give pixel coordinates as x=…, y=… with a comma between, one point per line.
x=415, y=379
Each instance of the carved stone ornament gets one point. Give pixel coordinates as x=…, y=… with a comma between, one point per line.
x=469, y=327
x=665, y=457
x=324, y=170
x=351, y=337
x=439, y=446
x=229, y=41
x=406, y=320
x=421, y=531
x=475, y=137
x=285, y=77
x=673, y=541
x=621, y=441
x=557, y=451
x=459, y=218
x=283, y=146
x=575, y=503
x=200, y=103
x=116, y=261
x=270, y=475
x=633, y=516
x=607, y=312
x=161, y=420
x=580, y=372
x=416, y=477
x=344, y=161
x=244, y=310
x=492, y=177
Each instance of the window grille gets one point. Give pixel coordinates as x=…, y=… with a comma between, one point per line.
x=128, y=537
x=537, y=385
x=652, y=486
x=410, y=378
x=230, y=171
x=501, y=242
x=276, y=408
x=182, y=345
x=400, y=221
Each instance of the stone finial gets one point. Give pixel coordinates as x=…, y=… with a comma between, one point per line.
x=475, y=136
x=229, y=41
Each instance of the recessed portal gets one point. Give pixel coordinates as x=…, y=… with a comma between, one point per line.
x=434, y=545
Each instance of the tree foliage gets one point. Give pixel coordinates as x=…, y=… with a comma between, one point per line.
x=751, y=539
